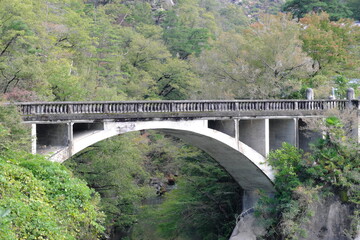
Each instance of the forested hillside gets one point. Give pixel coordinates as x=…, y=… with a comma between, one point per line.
x=89, y=50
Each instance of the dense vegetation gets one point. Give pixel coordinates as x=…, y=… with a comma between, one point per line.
x=40, y=199
x=303, y=179
x=116, y=50
x=64, y=50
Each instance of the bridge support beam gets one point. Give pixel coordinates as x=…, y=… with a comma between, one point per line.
x=70, y=136
x=33, y=139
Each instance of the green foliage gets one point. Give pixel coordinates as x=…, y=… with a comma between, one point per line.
x=264, y=61
x=330, y=44
x=13, y=134
x=183, y=40
x=335, y=8
x=354, y=6
x=114, y=168
x=40, y=199
x=199, y=204
x=119, y=49
x=43, y=201
x=332, y=166
x=205, y=194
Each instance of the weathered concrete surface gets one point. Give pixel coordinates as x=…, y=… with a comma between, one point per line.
x=282, y=130
x=224, y=126
x=255, y=133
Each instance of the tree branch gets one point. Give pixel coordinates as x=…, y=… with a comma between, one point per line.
x=8, y=44
x=10, y=81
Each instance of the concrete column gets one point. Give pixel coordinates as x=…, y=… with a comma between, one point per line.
x=70, y=135
x=267, y=136
x=236, y=126
x=255, y=134
x=249, y=199
x=309, y=94
x=296, y=132
x=350, y=94
x=282, y=130
x=33, y=139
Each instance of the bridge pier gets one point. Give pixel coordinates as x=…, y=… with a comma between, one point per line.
x=249, y=199
x=33, y=139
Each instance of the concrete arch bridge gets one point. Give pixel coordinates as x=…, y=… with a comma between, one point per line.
x=238, y=134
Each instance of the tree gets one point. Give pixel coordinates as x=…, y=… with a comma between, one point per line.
x=181, y=39
x=232, y=18
x=205, y=194
x=41, y=199
x=266, y=60
x=115, y=169
x=302, y=179
x=332, y=45
x=335, y=8
x=354, y=6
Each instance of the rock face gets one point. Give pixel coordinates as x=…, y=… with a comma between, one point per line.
x=247, y=229
x=331, y=221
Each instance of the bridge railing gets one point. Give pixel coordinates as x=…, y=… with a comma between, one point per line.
x=44, y=108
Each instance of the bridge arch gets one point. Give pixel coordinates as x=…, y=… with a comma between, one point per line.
x=244, y=163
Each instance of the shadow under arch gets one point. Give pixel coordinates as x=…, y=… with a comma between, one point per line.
x=242, y=162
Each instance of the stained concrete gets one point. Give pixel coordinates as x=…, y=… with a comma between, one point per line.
x=255, y=133
x=52, y=135
x=280, y=131
x=224, y=126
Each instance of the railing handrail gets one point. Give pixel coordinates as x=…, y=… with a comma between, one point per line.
x=181, y=106
x=185, y=101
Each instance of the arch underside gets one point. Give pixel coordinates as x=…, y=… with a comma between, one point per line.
x=245, y=165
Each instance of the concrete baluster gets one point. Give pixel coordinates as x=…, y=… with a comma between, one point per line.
x=32, y=109
x=350, y=95
x=172, y=107
x=296, y=105
x=105, y=108
x=140, y=107
x=70, y=109
x=266, y=106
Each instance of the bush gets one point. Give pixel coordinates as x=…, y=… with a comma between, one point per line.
x=40, y=199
